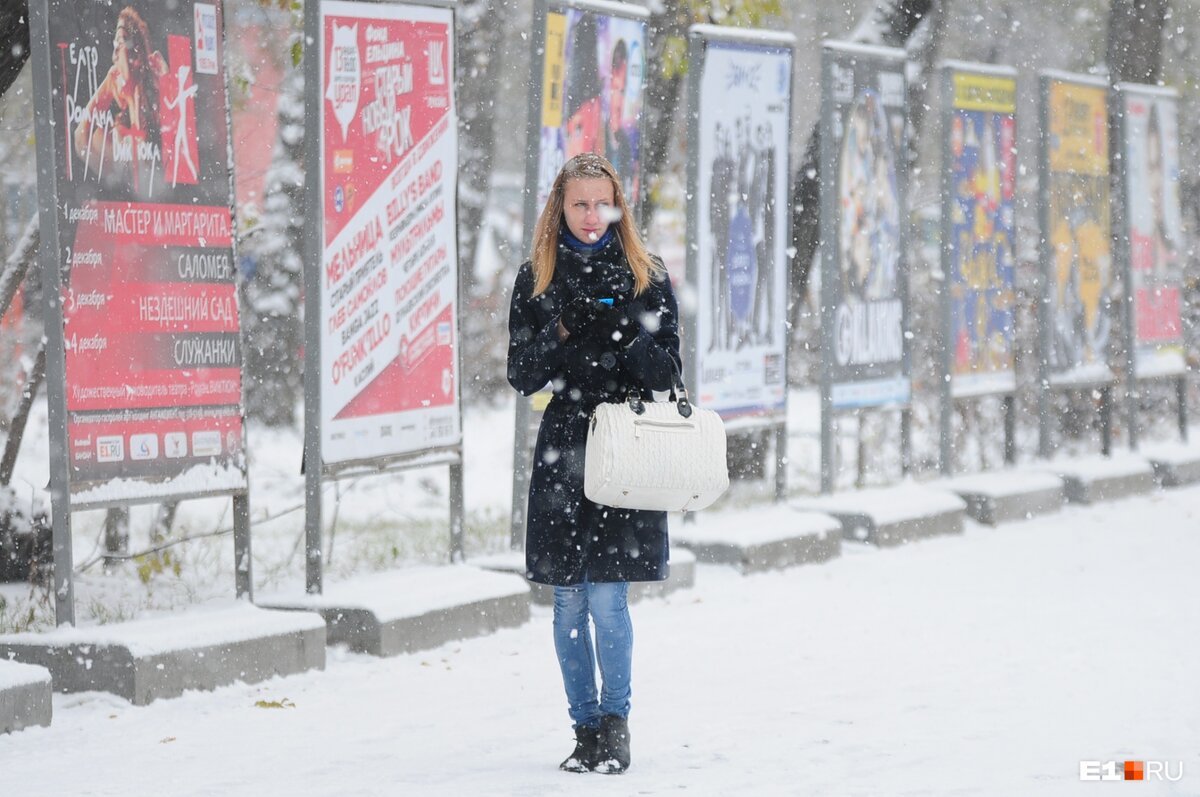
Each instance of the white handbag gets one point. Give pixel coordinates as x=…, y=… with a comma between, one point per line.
x=658, y=455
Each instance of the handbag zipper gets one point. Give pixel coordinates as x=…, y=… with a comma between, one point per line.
x=663, y=426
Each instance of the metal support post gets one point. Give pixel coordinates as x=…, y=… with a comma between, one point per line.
x=457, y=511
x=781, y=462
x=1009, y=404
x=1181, y=406
x=243, y=575
x=1106, y=412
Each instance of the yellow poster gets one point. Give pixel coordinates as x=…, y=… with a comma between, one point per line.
x=552, y=78
x=985, y=93
x=1078, y=128
x=1078, y=216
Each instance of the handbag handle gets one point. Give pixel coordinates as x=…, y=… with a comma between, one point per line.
x=682, y=404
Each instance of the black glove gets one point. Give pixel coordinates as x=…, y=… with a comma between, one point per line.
x=579, y=313
x=615, y=325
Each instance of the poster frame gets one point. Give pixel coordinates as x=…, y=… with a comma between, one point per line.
x=1046, y=378
x=829, y=265
x=947, y=70
x=699, y=38
x=1123, y=256
x=49, y=250
x=314, y=246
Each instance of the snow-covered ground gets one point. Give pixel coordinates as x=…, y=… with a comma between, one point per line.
x=990, y=663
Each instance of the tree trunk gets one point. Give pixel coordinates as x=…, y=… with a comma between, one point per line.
x=480, y=58
x=17, y=264
x=660, y=102
x=923, y=47
x=14, y=41
x=1135, y=33
x=271, y=324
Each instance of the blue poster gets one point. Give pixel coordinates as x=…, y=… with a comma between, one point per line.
x=982, y=271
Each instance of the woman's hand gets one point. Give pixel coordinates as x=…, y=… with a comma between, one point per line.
x=614, y=324
x=578, y=314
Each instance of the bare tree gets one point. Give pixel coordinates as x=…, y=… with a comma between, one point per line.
x=271, y=325
x=1135, y=35
x=14, y=41
x=665, y=57
x=480, y=56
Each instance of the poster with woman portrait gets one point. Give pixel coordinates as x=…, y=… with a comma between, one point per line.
x=137, y=100
x=980, y=163
x=1077, y=245
x=741, y=163
x=1154, y=241
x=593, y=71
x=864, y=277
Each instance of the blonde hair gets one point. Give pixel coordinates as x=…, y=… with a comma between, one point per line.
x=588, y=166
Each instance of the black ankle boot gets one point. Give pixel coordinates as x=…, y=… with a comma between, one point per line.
x=587, y=751
x=614, y=743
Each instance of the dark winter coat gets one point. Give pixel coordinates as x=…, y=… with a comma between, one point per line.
x=568, y=538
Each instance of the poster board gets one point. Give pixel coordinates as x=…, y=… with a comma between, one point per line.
x=979, y=174
x=1076, y=241
x=144, y=355
x=864, y=278
x=739, y=224
x=387, y=330
x=592, y=69
x=1151, y=238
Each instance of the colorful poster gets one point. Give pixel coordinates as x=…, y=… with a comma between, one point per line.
x=982, y=161
x=742, y=162
x=1155, y=227
x=1077, y=231
x=153, y=359
x=592, y=81
x=863, y=146
x=389, y=271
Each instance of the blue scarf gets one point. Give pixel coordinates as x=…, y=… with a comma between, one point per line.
x=586, y=248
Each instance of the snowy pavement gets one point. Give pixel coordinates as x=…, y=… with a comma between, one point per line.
x=990, y=663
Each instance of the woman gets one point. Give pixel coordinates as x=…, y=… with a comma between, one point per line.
x=594, y=315
x=124, y=111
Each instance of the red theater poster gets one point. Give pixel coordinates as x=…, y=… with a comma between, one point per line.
x=153, y=361
x=389, y=325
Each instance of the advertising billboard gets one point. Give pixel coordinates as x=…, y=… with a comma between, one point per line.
x=741, y=163
x=979, y=182
x=1077, y=244
x=593, y=71
x=388, y=275
x=864, y=276
x=1153, y=237
x=144, y=230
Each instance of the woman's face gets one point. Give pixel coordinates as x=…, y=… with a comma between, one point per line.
x=120, y=54
x=616, y=98
x=1154, y=169
x=587, y=203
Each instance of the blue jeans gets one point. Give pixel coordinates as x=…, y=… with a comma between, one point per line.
x=606, y=602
